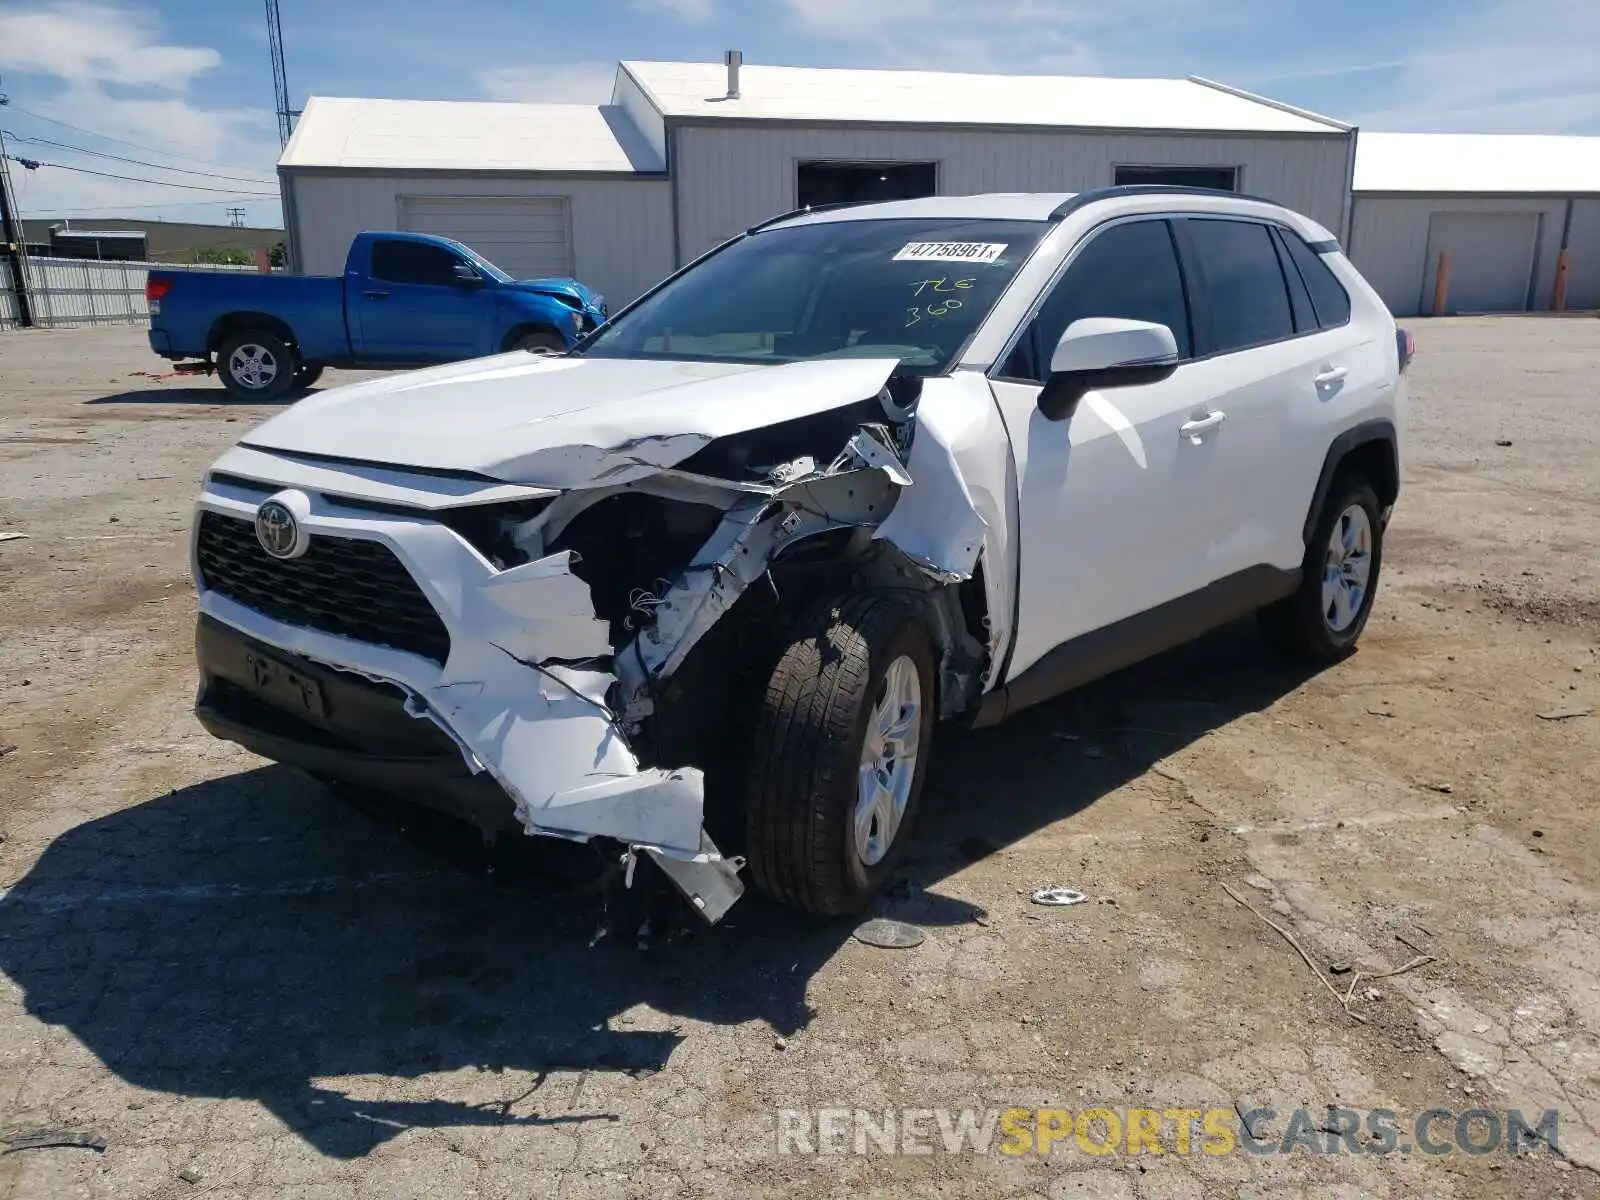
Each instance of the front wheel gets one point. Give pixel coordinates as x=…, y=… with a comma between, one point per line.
x=1323, y=619
x=257, y=365
x=539, y=341
x=841, y=751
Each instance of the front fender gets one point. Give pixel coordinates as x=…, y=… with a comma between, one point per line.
x=519, y=311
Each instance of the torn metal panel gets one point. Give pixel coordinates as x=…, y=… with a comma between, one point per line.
x=553, y=614
x=959, y=507
x=562, y=422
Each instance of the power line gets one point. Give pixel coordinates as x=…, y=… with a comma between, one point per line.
x=138, y=162
x=106, y=137
x=110, y=210
x=34, y=164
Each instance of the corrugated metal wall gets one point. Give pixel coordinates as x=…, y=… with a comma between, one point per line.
x=1389, y=243
x=730, y=178
x=1583, y=256
x=86, y=291
x=621, y=229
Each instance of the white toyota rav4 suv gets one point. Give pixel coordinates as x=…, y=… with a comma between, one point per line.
x=702, y=589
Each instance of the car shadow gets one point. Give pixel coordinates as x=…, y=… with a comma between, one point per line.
x=216, y=395
x=248, y=936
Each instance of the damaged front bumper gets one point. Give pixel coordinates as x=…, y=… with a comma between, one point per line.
x=534, y=744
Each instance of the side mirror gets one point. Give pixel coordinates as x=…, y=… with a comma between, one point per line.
x=466, y=275
x=1105, y=352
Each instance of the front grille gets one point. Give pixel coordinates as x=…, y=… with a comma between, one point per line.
x=349, y=586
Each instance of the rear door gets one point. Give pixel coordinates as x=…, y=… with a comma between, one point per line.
x=411, y=308
x=1279, y=377
x=1111, y=497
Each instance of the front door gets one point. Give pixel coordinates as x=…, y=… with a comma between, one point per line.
x=1113, y=498
x=411, y=308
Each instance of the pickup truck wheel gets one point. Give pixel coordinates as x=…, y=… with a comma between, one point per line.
x=1321, y=622
x=307, y=376
x=539, y=341
x=840, y=753
x=256, y=365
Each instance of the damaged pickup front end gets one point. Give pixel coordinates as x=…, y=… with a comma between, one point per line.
x=580, y=606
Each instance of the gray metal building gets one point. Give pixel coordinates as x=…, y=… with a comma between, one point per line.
x=1505, y=211
x=688, y=154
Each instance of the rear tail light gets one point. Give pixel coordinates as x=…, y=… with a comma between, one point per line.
x=1406, y=347
x=155, y=289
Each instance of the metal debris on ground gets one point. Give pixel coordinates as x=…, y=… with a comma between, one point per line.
x=1059, y=897
x=9, y=535
x=49, y=1139
x=888, y=935
x=1565, y=714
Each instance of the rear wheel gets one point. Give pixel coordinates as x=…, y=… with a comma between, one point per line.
x=840, y=755
x=1324, y=618
x=257, y=365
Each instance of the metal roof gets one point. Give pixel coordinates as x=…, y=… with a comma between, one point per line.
x=1476, y=163
x=689, y=89
x=447, y=135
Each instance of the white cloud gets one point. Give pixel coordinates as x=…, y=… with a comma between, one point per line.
x=1513, y=66
x=96, y=43
x=1058, y=36
x=108, y=69
x=563, y=83
x=688, y=10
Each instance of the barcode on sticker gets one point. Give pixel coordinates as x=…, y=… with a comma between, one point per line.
x=971, y=252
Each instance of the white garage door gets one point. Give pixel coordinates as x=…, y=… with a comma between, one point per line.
x=1491, y=260
x=527, y=237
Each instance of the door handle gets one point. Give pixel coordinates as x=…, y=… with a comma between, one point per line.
x=375, y=295
x=1330, y=375
x=1196, y=427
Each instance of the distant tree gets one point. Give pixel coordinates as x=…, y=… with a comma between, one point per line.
x=278, y=256
x=225, y=256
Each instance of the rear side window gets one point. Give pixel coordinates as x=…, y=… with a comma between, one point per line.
x=1332, y=302
x=1305, y=317
x=1130, y=271
x=1249, y=299
x=413, y=262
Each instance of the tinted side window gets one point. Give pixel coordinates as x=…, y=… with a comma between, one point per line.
x=1128, y=271
x=413, y=262
x=1327, y=293
x=1305, y=317
x=1249, y=300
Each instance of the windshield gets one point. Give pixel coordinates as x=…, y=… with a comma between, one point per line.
x=914, y=290
x=483, y=264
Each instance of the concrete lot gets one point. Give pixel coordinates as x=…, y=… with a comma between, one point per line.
x=249, y=989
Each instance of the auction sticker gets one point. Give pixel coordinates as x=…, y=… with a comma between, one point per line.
x=967, y=252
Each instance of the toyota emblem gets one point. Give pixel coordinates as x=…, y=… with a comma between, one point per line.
x=277, y=530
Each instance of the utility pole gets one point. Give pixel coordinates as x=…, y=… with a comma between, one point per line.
x=236, y=217
x=13, y=240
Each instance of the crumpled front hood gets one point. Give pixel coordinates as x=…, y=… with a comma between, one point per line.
x=560, y=286
x=561, y=422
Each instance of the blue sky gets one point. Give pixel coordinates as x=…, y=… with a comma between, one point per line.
x=185, y=85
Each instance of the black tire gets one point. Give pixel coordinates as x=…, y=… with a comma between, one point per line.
x=538, y=341
x=1299, y=626
x=801, y=788
x=307, y=376
x=265, y=348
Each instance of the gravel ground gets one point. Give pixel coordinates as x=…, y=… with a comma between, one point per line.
x=245, y=988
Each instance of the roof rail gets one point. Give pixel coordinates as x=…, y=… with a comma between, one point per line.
x=803, y=210
x=1094, y=195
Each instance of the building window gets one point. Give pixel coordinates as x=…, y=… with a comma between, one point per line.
x=860, y=183
x=1222, y=179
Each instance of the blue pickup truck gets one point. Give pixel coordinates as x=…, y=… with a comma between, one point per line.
x=405, y=299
